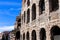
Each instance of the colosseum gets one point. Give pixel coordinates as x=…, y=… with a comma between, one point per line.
x=38, y=20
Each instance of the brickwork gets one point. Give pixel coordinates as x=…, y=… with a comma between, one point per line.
x=45, y=21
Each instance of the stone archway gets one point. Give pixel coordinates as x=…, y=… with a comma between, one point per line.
x=23, y=36
x=41, y=6
x=28, y=2
x=42, y=34
x=27, y=36
x=53, y=5
x=33, y=35
x=24, y=16
x=55, y=33
x=28, y=15
x=33, y=11
x=18, y=35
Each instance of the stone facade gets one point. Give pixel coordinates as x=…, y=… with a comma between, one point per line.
x=39, y=20
x=12, y=36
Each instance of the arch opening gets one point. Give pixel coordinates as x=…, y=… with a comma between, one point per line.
x=33, y=11
x=24, y=16
x=28, y=2
x=42, y=34
x=27, y=35
x=18, y=35
x=41, y=6
x=55, y=33
x=28, y=15
x=24, y=36
x=33, y=35
x=54, y=5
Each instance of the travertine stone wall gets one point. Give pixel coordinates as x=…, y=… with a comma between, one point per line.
x=46, y=20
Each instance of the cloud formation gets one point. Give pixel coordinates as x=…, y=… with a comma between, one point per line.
x=6, y=28
x=8, y=10
x=15, y=8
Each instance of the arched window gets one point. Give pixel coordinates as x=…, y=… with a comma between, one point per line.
x=42, y=34
x=19, y=23
x=24, y=16
x=27, y=35
x=28, y=15
x=18, y=35
x=33, y=12
x=55, y=33
x=24, y=36
x=54, y=5
x=28, y=2
x=33, y=35
x=41, y=6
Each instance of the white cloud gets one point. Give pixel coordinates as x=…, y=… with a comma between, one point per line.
x=15, y=9
x=6, y=28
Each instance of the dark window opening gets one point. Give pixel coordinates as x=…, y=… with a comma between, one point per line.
x=24, y=36
x=28, y=16
x=33, y=35
x=41, y=6
x=19, y=24
x=42, y=34
x=54, y=5
x=55, y=33
x=27, y=35
x=28, y=2
x=24, y=16
x=19, y=20
x=33, y=12
x=17, y=35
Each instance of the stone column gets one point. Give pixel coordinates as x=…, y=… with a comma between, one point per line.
x=30, y=36
x=30, y=14
x=59, y=6
x=47, y=9
x=25, y=36
x=21, y=19
x=21, y=38
x=59, y=9
x=26, y=17
x=37, y=33
x=48, y=34
x=37, y=12
x=37, y=9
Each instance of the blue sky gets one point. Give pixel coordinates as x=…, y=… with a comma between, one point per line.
x=9, y=9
